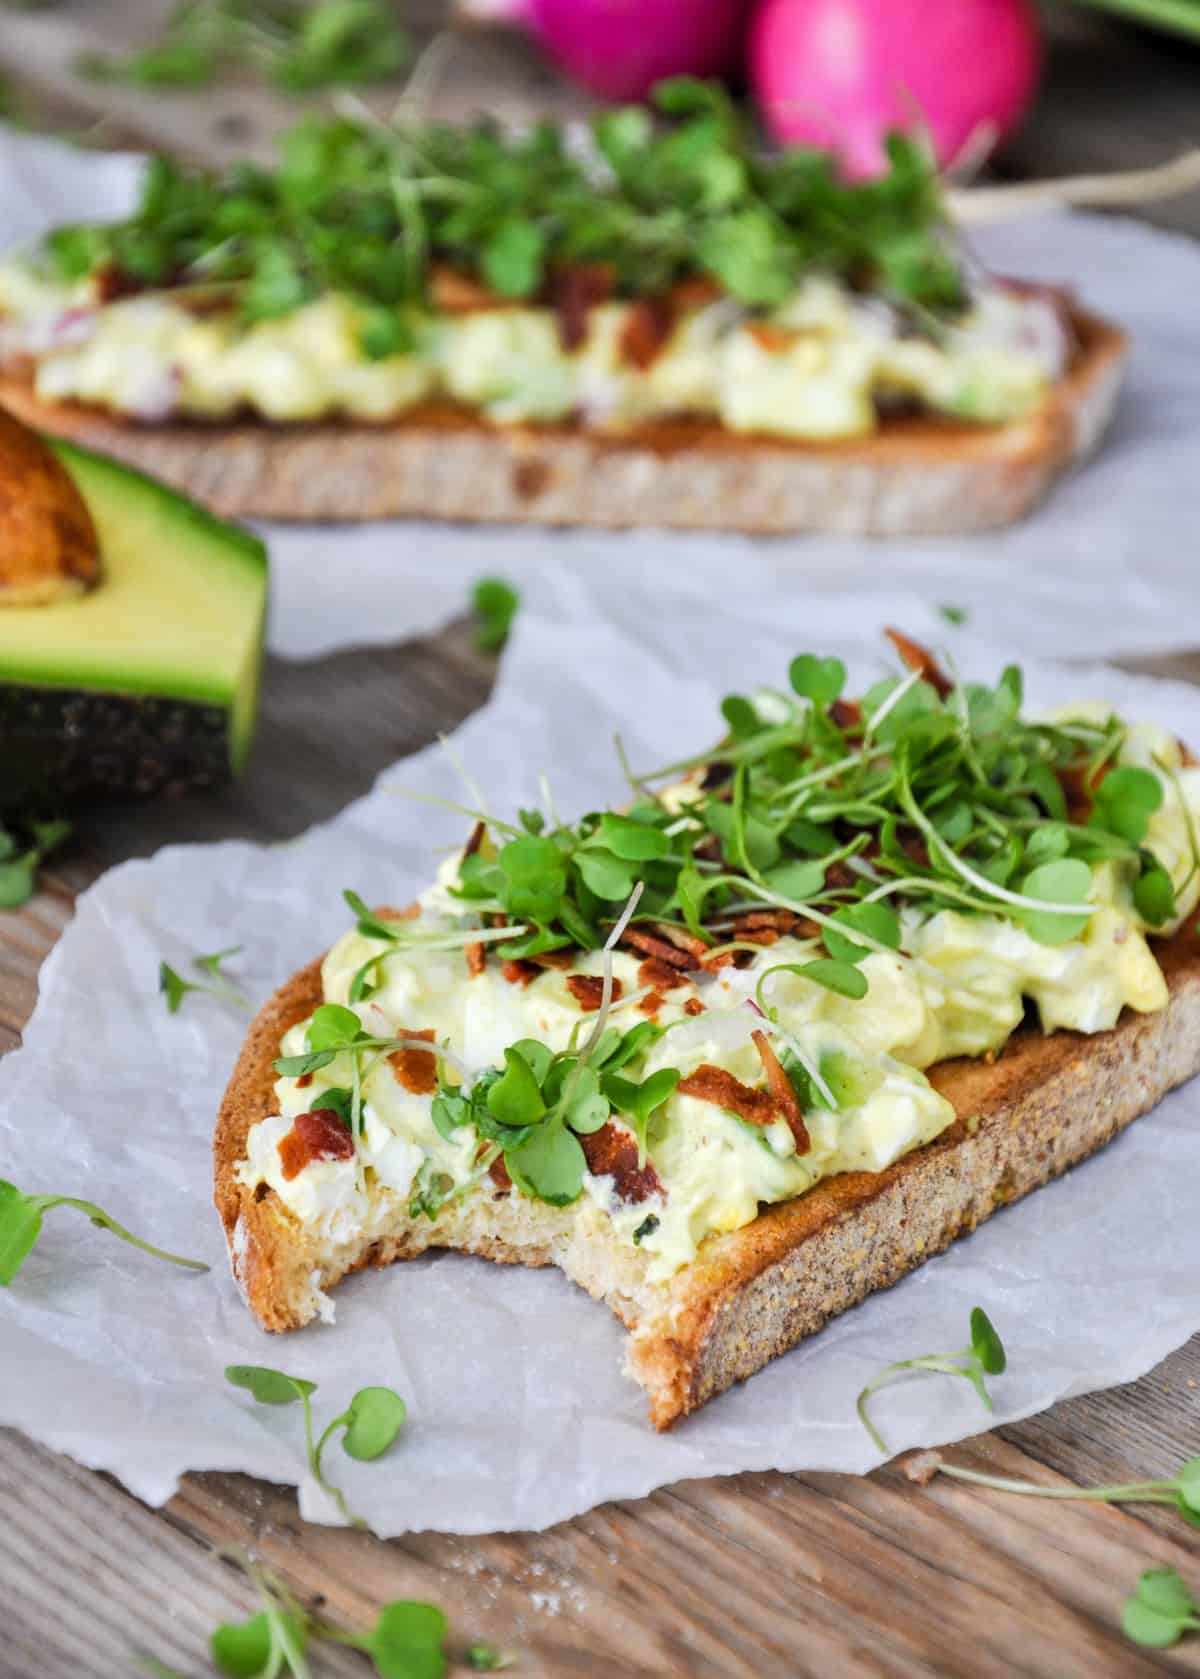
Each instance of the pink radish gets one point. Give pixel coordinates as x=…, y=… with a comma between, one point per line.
x=840, y=73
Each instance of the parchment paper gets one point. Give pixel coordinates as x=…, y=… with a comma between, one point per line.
x=519, y=1415
x=1107, y=566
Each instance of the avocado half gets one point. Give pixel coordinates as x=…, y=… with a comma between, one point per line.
x=147, y=681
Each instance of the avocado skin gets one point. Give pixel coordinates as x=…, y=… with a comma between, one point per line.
x=62, y=746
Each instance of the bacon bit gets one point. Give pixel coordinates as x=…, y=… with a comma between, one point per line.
x=780, y=1086
x=693, y=1006
x=722, y=959
x=613, y=1151
x=770, y=337
x=415, y=1069
x=588, y=991
x=520, y=972
x=386, y=912
x=717, y=1085
x=303, y=1082
x=476, y=958
x=660, y=948
x=498, y=1172
x=474, y=839
x=454, y=293
x=838, y=875
x=1079, y=790
x=716, y=775
x=319, y=1135
x=573, y=292
x=499, y=919
x=760, y=935
x=780, y=920
x=847, y=714
x=661, y=976
x=680, y=938
x=645, y=332
x=697, y=291
x=553, y=958
x=920, y=659
x=651, y=1003
x=112, y=282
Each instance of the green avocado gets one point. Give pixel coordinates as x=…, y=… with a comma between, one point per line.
x=149, y=681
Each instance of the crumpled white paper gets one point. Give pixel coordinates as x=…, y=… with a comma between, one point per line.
x=519, y=1413
x=1119, y=534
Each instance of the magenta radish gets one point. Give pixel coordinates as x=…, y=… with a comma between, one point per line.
x=840, y=73
x=620, y=48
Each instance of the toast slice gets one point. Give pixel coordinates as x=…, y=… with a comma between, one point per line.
x=1041, y=1106
x=914, y=476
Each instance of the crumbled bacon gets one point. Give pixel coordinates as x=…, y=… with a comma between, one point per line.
x=415, y=1069
x=680, y=938
x=498, y=1172
x=663, y=949
x=476, y=958
x=760, y=935
x=837, y=875
x=693, y=1006
x=721, y=959
x=613, y=1151
x=319, y=1135
x=847, y=714
x=588, y=991
x=780, y=1086
x=303, y=1082
x=770, y=337
x=660, y=975
x=553, y=958
x=920, y=659
x=779, y=920
x=454, y=293
x=651, y=1003
x=573, y=292
x=112, y=282
x=718, y=1085
x=696, y=291
x=520, y=972
x=645, y=332
x=386, y=912
x=474, y=839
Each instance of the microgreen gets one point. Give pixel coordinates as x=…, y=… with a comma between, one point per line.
x=957, y=615
x=983, y=1356
x=1161, y=1609
x=175, y=988
x=495, y=604
x=365, y=208
x=371, y=1421
x=1181, y=1490
x=21, y=853
x=486, y=1658
x=301, y=45
x=21, y=1224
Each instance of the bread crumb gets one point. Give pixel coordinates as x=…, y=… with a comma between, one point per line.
x=921, y=1467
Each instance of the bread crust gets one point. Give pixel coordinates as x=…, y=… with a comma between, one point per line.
x=913, y=476
x=1039, y=1107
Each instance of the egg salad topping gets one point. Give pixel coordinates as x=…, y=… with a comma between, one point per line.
x=669, y=270
x=670, y=1017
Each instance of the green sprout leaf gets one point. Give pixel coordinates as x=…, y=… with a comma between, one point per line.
x=1065, y=882
x=877, y=921
x=175, y=988
x=21, y=1225
x=269, y=1387
x=243, y=1649
x=516, y=1098
x=984, y=1356
x=1125, y=801
x=408, y=1641
x=816, y=679
x=495, y=604
x=1161, y=1609
x=486, y=1658
x=548, y=1165
x=373, y=1420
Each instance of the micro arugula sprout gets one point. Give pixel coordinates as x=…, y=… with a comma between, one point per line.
x=486, y=1658
x=21, y=1225
x=984, y=1356
x=495, y=604
x=957, y=615
x=1161, y=1609
x=1181, y=1490
x=371, y=1421
x=21, y=856
x=175, y=988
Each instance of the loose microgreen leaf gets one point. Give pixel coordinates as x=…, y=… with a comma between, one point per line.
x=953, y=614
x=636, y=842
x=516, y=1097
x=486, y=1658
x=548, y=1165
x=495, y=604
x=1066, y=882
x=408, y=1641
x=984, y=1356
x=244, y=1649
x=299, y=1066
x=640, y=1102
x=269, y=1387
x=370, y=925
x=212, y=964
x=174, y=987
x=373, y=1420
x=1161, y=1609
x=842, y=977
x=21, y=1225
x=332, y=1027
x=1154, y=893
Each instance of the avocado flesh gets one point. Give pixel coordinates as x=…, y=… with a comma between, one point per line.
x=150, y=681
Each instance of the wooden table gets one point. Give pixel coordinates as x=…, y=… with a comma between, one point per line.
x=751, y=1577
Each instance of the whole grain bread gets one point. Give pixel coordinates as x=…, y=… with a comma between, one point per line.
x=1040, y=1107
x=913, y=476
